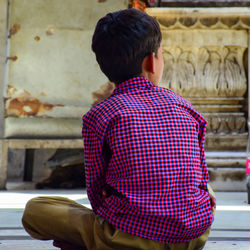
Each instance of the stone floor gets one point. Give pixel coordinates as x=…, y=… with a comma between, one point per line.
x=231, y=229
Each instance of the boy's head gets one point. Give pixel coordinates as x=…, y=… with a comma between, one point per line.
x=122, y=40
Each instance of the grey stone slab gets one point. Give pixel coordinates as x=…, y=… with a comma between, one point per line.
x=10, y=218
x=26, y=245
x=230, y=234
x=227, y=245
x=12, y=232
x=233, y=212
x=232, y=220
x=232, y=198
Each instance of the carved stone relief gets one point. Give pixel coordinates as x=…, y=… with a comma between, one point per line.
x=207, y=68
x=215, y=71
x=226, y=124
x=209, y=61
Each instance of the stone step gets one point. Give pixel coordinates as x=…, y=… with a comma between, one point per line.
x=17, y=238
x=231, y=228
x=218, y=234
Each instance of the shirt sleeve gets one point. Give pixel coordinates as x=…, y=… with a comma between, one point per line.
x=201, y=138
x=94, y=167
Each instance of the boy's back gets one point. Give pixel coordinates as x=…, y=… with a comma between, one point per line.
x=147, y=144
x=145, y=168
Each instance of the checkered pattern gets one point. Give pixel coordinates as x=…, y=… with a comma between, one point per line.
x=147, y=143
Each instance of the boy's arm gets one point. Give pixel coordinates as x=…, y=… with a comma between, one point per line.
x=94, y=167
x=201, y=137
x=205, y=177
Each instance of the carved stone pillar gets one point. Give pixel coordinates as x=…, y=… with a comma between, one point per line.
x=205, y=51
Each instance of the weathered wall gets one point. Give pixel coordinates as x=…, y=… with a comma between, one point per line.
x=52, y=70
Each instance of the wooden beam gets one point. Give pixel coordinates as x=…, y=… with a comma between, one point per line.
x=3, y=47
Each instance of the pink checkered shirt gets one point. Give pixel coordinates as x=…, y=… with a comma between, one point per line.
x=147, y=143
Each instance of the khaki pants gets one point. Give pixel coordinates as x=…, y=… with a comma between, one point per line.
x=58, y=218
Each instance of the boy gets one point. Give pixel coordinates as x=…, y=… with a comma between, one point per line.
x=145, y=167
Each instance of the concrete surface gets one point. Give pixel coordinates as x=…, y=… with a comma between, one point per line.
x=231, y=229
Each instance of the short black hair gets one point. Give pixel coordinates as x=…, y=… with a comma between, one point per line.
x=121, y=41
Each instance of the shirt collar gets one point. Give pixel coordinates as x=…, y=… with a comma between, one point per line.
x=133, y=83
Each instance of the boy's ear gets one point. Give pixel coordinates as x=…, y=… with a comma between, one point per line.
x=148, y=63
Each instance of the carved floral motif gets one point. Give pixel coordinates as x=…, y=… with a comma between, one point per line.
x=213, y=71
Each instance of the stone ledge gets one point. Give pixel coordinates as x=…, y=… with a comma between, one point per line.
x=201, y=18
x=226, y=159
x=227, y=142
x=227, y=179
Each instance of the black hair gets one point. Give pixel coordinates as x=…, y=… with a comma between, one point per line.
x=121, y=41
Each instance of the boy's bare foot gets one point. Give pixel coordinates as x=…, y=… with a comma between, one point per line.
x=67, y=246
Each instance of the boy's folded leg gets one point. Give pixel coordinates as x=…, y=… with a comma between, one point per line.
x=58, y=218
x=64, y=220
